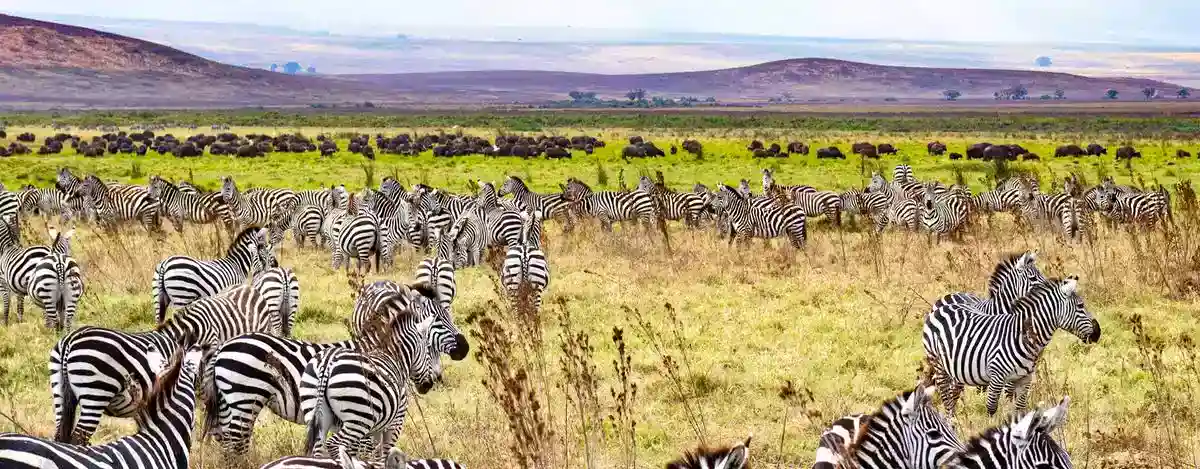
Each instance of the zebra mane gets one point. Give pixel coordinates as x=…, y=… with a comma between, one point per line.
x=1024, y=426
x=518, y=180
x=724, y=457
x=167, y=378
x=1052, y=284
x=246, y=233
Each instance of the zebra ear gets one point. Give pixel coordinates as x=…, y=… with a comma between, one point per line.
x=920, y=396
x=1069, y=285
x=1054, y=417
x=1023, y=429
x=738, y=456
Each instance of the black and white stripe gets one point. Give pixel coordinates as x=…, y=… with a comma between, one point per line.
x=358, y=237
x=686, y=206
x=180, y=280
x=1144, y=208
x=179, y=206
x=903, y=174
x=943, y=215
x=165, y=414
x=771, y=221
x=439, y=272
x=769, y=184
x=396, y=459
x=525, y=272
x=105, y=367
x=906, y=432
x=81, y=204
x=552, y=206
x=121, y=203
x=271, y=208
x=56, y=284
x=19, y=266
x=1013, y=277
x=47, y=202
x=727, y=457
x=610, y=207
x=1025, y=442
x=1001, y=351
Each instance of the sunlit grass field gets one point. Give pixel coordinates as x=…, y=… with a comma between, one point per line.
x=840, y=321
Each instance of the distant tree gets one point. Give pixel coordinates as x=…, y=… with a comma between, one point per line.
x=576, y=95
x=636, y=95
x=274, y=67
x=1060, y=94
x=291, y=68
x=1149, y=92
x=368, y=104
x=312, y=69
x=1111, y=94
x=1046, y=97
x=951, y=95
x=1018, y=92
x=996, y=95
x=1043, y=61
x=1183, y=93
x=710, y=99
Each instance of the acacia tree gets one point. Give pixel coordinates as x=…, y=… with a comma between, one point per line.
x=638, y=94
x=951, y=95
x=1060, y=94
x=1110, y=94
x=1183, y=93
x=1149, y=92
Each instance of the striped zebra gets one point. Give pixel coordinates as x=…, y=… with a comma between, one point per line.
x=609, y=207
x=81, y=204
x=260, y=370
x=675, y=206
x=906, y=432
x=943, y=215
x=165, y=415
x=815, y=203
x=47, y=202
x=180, y=280
x=442, y=209
x=1001, y=351
x=395, y=219
x=482, y=229
x=726, y=457
x=396, y=459
x=362, y=396
x=359, y=236
x=1014, y=276
x=97, y=371
x=1074, y=219
x=113, y=205
x=324, y=199
x=306, y=227
x=56, y=286
x=280, y=289
x=745, y=222
x=903, y=174
x=21, y=266
x=179, y=206
x=1143, y=209
x=271, y=208
x=769, y=184
x=1026, y=441
x=525, y=272
x=995, y=201
x=552, y=206
x=438, y=271
x=10, y=209
x=873, y=205
x=189, y=188
x=902, y=210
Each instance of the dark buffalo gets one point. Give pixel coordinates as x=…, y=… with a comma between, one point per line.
x=633, y=151
x=797, y=147
x=860, y=147
x=998, y=152
x=956, y=156
x=887, y=149
x=693, y=146
x=1095, y=149
x=755, y=145
x=1069, y=150
x=674, y=149
x=1182, y=154
x=652, y=150
x=328, y=148
x=636, y=140
x=830, y=152
x=975, y=152
x=775, y=148
x=248, y=151
x=27, y=137
x=367, y=152
x=868, y=152
x=1030, y=157
x=557, y=153
x=1127, y=152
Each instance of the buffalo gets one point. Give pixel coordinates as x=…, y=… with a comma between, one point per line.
x=955, y=156
x=797, y=147
x=1030, y=157
x=636, y=140
x=935, y=148
x=860, y=147
x=1095, y=149
x=887, y=149
x=1069, y=150
x=975, y=152
x=693, y=146
x=830, y=152
x=557, y=153
x=1182, y=154
x=1127, y=152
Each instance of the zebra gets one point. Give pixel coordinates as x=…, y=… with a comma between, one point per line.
x=395, y=219
x=112, y=204
x=57, y=285
x=359, y=235
x=272, y=208
x=396, y=459
x=552, y=206
x=902, y=210
x=180, y=280
x=903, y=174
x=610, y=207
x=281, y=291
x=998, y=200
x=324, y=199
x=45, y=201
x=906, y=432
x=79, y=201
x=728, y=457
x=768, y=222
x=179, y=206
x=97, y=370
x=21, y=266
x=943, y=215
x=686, y=206
x=1074, y=219
x=1143, y=209
x=482, y=228
x=188, y=188
x=1026, y=441
x=1014, y=276
x=260, y=370
x=768, y=184
x=873, y=205
x=306, y=227
x=1000, y=351
x=10, y=209
x=817, y=203
x=525, y=273
x=362, y=396
x=165, y=414
x=439, y=272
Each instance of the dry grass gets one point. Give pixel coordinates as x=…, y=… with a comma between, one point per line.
x=644, y=354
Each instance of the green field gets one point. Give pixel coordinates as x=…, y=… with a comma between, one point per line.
x=840, y=321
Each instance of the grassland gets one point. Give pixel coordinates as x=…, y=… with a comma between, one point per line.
x=840, y=321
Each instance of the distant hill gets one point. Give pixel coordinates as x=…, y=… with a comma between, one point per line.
x=46, y=64
x=803, y=79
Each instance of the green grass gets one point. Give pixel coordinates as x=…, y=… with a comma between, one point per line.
x=840, y=320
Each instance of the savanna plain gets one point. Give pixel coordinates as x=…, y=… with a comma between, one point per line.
x=649, y=344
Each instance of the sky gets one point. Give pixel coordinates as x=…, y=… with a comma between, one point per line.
x=1141, y=23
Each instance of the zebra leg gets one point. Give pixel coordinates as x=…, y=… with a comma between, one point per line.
x=1020, y=392
x=4, y=297
x=352, y=433
x=20, y=299
x=994, y=388
x=91, y=408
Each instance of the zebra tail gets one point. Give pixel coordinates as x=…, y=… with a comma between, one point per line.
x=212, y=404
x=378, y=247
x=322, y=411
x=160, y=293
x=66, y=421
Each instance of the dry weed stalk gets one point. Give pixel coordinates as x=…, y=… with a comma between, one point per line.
x=580, y=381
x=621, y=420
x=670, y=366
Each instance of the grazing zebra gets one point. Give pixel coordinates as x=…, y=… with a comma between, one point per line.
x=944, y=215
x=396, y=459
x=1012, y=279
x=1074, y=219
x=817, y=203
x=362, y=396
x=610, y=207
x=165, y=412
x=179, y=206
x=395, y=219
x=272, y=208
x=112, y=204
x=870, y=204
x=728, y=457
x=686, y=206
x=745, y=222
x=80, y=202
x=57, y=285
x=180, y=280
x=1143, y=208
x=768, y=184
x=552, y=206
x=482, y=228
x=46, y=202
x=1026, y=441
x=1001, y=351
x=903, y=174
x=359, y=235
x=525, y=273
x=438, y=271
x=98, y=370
x=902, y=210
x=10, y=209
x=906, y=432
x=20, y=267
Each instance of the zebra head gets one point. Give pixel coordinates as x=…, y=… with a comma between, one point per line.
x=156, y=187
x=878, y=183
x=645, y=185
x=729, y=457
x=1015, y=276
x=767, y=180
x=486, y=197
x=1025, y=442
x=339, y=196
x=930, y=195
x=1073, y=315
x=928, y=436
x=229, y=190
x=575, y=190
x=512, y=185
x=744, y=188
x=445, y=336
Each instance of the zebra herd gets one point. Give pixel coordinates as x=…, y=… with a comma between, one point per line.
x=230, y=336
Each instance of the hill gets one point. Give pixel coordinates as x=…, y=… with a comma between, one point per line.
x=804, y=79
